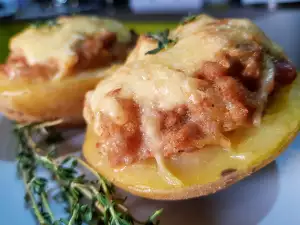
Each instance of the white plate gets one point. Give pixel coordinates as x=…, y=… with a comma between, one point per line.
x=270, y=196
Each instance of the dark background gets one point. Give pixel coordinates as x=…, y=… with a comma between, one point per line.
x=11, y=10
x=281, y=22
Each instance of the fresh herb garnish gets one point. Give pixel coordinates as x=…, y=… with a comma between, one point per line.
x=162, y=39
x=188, y=19
x=103, y=206
x=47, y=23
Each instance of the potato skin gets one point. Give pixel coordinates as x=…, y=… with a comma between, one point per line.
x=43, y=101
x=201, y=190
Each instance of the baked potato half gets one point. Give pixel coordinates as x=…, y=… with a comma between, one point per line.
x=214, y=104
x=208, y=170
x=52, y=65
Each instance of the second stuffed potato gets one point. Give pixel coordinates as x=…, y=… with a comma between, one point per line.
x=51, y=66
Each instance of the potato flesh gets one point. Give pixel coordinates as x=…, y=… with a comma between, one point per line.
x=251, y=148
x=46, y=100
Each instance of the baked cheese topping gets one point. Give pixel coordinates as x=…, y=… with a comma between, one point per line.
x=42, y=44
x=165, y=80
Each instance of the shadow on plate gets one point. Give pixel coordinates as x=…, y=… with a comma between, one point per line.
x=246, y=202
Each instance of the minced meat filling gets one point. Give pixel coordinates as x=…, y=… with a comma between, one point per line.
x=226, y=105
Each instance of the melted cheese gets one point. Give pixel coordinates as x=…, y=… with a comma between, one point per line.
x=165, y=80
x=158, y=87
x=39, y=45
x=267, y=83
x=153, y=141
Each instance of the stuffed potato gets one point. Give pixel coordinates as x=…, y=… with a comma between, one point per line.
x=52, y=65
x=193, y=110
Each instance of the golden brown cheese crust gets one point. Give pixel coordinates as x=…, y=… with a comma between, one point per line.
x=215, y=79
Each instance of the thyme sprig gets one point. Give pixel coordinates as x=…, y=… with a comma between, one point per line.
x=103, y=206
x=163, y=41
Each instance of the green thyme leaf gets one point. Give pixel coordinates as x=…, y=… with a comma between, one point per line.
x=153, y=218
x=66, y=160
x=74, y=163
x=163, y=41
x=39, y=185
x=64, y=221
x=103, y=207
x=86, y=213
x=154, y=51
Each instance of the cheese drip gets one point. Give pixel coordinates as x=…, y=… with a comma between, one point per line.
x=153, y=141
x=267, y=83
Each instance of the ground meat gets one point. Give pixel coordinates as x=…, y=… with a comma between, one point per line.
x=228, y=102
x=99, y=50
x=94, y=51
x=181, y=128
x=211, y=70
x=220, y=110
x=244, y=63
x=176, y=117
x=180, y=138
x=177, y=130
x=121, y=143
